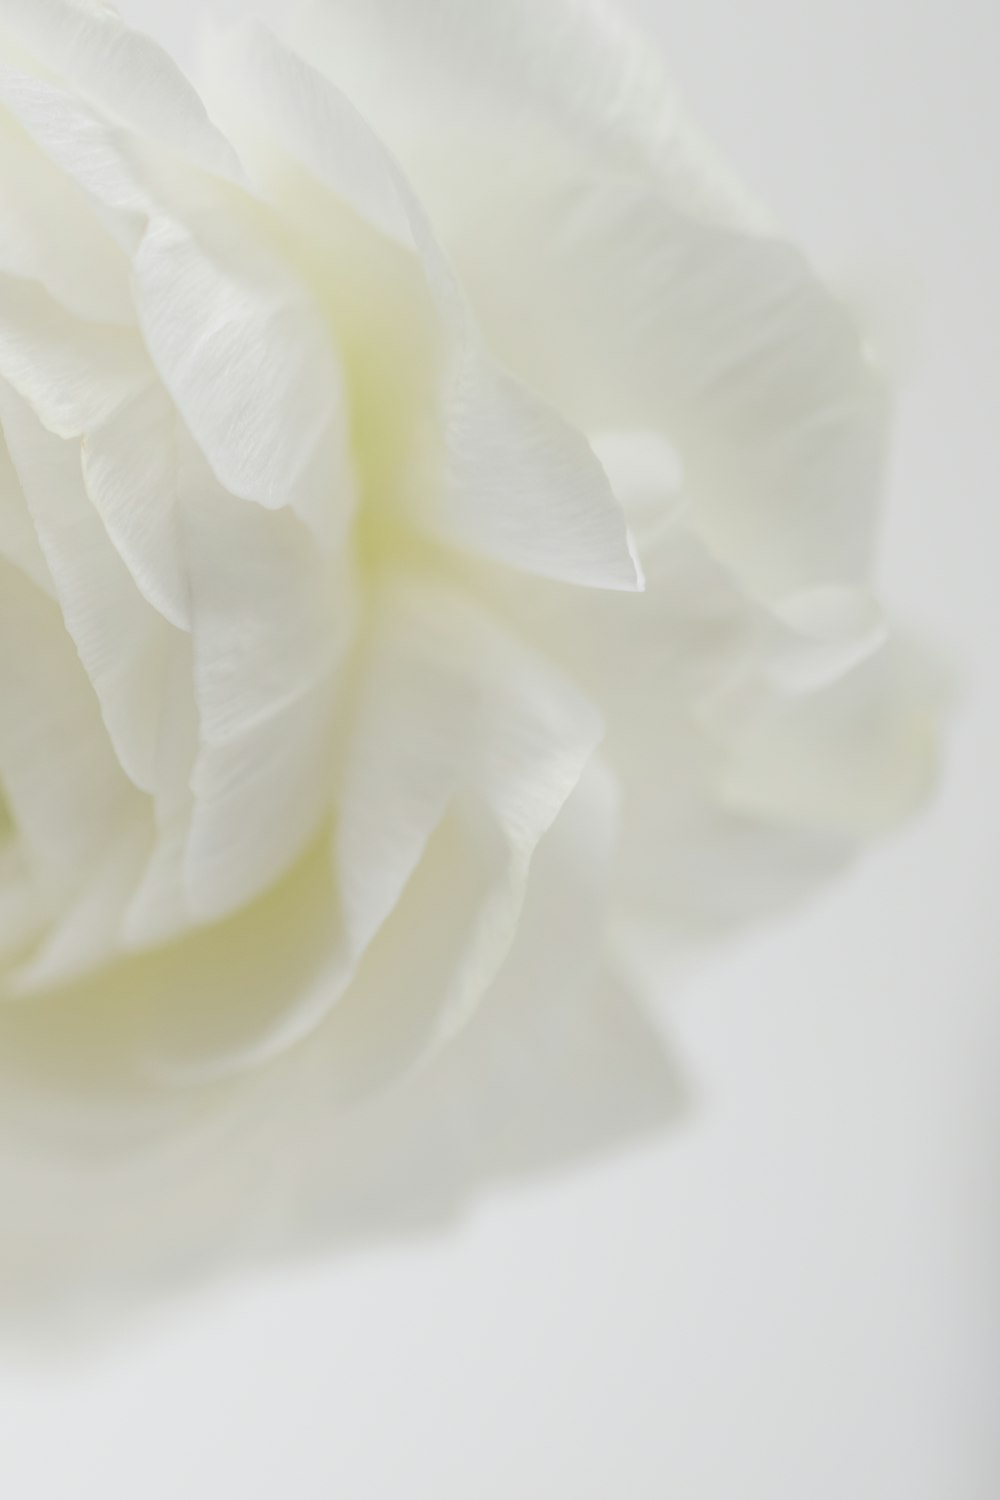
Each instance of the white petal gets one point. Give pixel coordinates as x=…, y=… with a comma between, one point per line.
x=455, y=715
x=123, y=643
x=464, y=749
x=272, y=618
x=50, y=233
x=192, y=992
x=686, y=674
x=97, y=157
x=615, y=270
x=274, y=101
x=22, y=913
x=244, y=353
x=130, y=470
x=67, y=792
x=75, y=375
x=156, y=910
x=647, y=476
x=622, y=310
x=574, y=70
x=239, y=343
x=821, y=634
x=517, y=483
x=18, y=538
x=258, y=800
x=125, y=72
x=448, y=701
x=557, y=1061
x=551, y=1069
x=848, y=760
x=86, y=935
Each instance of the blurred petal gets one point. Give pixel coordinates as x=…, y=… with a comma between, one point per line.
x=615, y=269
x=850, y=759
x=622, y=310
x=344, y=763
x=576, y=69
x=18, y=539
x=821, y=633
x=86, y=934
x=22, y=913
x=756, y=749
x=558, y=1063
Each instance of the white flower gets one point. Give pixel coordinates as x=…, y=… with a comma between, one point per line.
x=435, y=533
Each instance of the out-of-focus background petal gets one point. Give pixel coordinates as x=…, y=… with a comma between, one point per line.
x=793, y=1294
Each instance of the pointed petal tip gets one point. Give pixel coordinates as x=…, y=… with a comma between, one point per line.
x=637, y=583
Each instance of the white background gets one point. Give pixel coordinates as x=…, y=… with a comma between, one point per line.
x=793, y=1296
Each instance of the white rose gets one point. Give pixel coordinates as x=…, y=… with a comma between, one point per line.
x=435, y=533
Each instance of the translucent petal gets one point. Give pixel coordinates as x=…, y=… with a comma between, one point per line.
x=134, y=454
x=242, y=351
x=575, y=68
x=18, y=538
x=96, y=156
x=447, y=702
x=75, y=375
x=22, y=913
x=850, y=759
x=623, y=311
x=558, y=1063
x=123, y=643
x=518, y=483
x=67, y=793
x=86, y=934
x=50, y=233
x=463, y=749
x=123, y=71
x=614, y=268
x=272, y=618
x=755, y=749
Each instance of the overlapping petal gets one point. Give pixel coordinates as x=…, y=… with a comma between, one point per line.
x=463, y=746
x=614, y=266
x=514, y=481
x=336, y=452
x=126, y=73
x=74, y=375
x=50, y=233
x=63, y=784
x=123, y=643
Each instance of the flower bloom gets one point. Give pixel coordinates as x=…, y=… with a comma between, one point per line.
x=436, y=523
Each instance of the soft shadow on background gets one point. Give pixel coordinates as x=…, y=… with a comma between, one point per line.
x=794, y=1295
